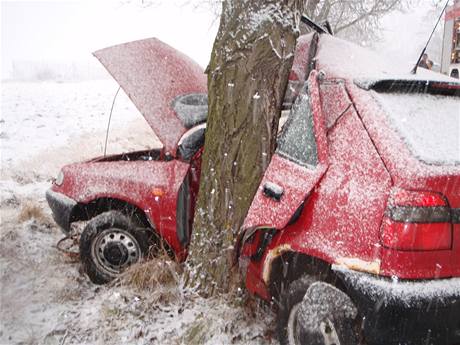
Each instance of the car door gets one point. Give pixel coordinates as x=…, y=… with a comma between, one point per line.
x=297, y=165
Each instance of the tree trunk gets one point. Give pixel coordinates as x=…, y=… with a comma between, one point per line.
x=247, y=77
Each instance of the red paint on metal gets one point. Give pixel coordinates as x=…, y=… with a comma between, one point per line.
x=297, y=181
x=335, y=108
x=301, y=58
x=409, y=173
x=361, y=160
x=342, y=217
x=153, y=74
x=136, y=183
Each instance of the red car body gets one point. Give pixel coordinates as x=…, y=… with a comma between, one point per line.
x=359, y=204
x=149, y=181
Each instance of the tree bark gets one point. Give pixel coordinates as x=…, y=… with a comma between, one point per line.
x=247, y=77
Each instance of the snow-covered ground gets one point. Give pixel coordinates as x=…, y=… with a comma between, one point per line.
x=44, y=298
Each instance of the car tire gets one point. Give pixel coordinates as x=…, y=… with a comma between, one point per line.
x=289, y=301
x=109, y=244
x=315, y=313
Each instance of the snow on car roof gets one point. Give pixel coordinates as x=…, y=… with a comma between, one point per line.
x=348, y=60
x=429, y=124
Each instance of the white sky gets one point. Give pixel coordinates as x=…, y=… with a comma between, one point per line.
x=405, y=33
x=71, y=30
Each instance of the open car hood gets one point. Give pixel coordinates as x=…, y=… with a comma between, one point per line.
x=167, y=87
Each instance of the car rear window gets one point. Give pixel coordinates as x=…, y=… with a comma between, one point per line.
x=297, y=139
x=428, y=124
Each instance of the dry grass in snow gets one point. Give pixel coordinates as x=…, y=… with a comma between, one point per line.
x=32, y=210
x=45, y=298
x=160, y=277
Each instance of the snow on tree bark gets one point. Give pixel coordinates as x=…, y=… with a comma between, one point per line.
x=247, y=78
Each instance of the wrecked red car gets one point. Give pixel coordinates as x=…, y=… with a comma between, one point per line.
x=355, y=228
x=139, y=199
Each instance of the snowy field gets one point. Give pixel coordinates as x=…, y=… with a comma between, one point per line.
x=45, y=299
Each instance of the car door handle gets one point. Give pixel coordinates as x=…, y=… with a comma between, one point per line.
x=272, y=190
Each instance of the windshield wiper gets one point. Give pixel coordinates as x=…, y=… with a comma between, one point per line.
x=411, y=86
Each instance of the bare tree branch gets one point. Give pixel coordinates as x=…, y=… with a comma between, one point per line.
x=373, y=12
x=357, y=20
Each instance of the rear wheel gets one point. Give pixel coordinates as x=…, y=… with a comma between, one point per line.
x=109, y=244
x=315, y=313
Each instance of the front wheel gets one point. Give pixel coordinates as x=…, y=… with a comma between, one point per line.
x=109, y=244
x=315, y=313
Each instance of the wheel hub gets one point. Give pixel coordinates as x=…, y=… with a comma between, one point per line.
x=116, y=253
x=114, y=250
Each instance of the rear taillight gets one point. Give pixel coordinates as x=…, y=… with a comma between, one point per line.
x=417, y=220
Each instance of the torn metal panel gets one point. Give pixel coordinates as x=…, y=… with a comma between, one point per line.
x=272, y=255
x=357, y=264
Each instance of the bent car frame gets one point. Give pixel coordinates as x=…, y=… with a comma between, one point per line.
x=355, y=227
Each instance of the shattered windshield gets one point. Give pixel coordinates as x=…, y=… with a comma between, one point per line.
x=297, y=139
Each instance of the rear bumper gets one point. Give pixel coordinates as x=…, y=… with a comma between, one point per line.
x=62, y=207
x=405, y=312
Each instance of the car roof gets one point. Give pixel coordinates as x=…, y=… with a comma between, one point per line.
x=343, y=59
